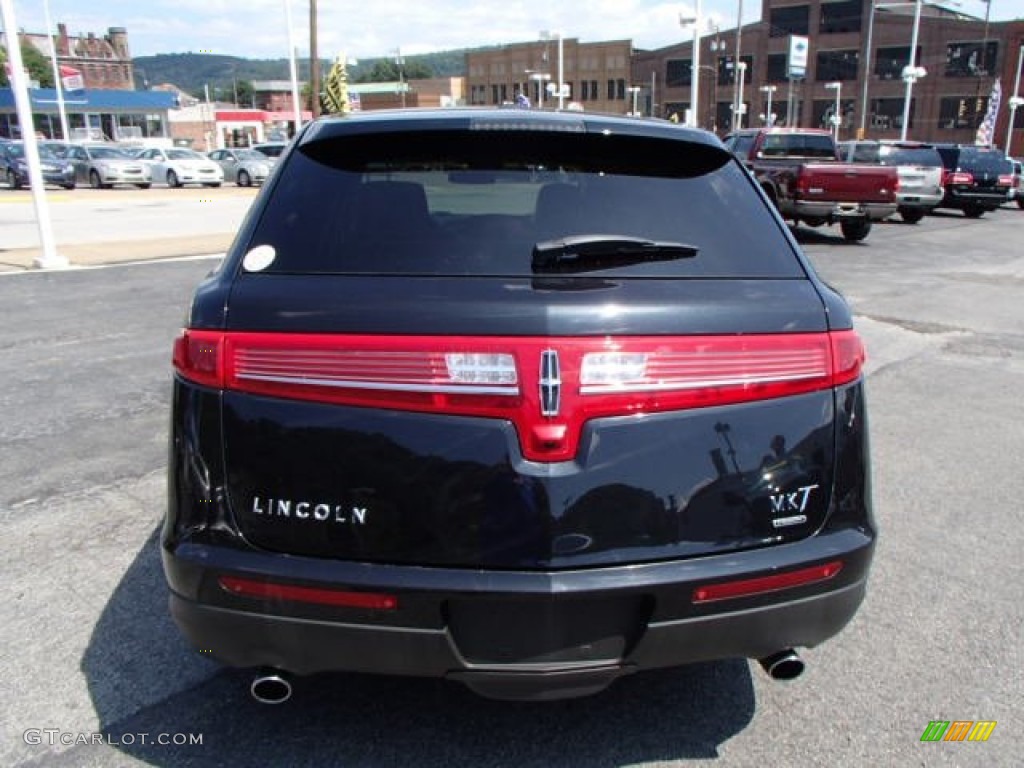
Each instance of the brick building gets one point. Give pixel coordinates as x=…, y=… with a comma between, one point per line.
x=597, y=74
x=962, y=56
x=105, y=62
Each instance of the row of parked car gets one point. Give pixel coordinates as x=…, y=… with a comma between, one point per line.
x=102, y=166
x=813, y=181
x=970, y=178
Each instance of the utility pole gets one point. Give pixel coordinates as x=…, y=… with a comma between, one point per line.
x=314, y=62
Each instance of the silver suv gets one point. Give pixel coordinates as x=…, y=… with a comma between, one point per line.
x=919, y=166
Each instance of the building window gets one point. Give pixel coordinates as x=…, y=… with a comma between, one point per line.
x=494, y=94
x=887, y=114
x=837, y=65
x=822, y=112
x=976, y=59
x=889, y=62
x=611, y=90
x=788, y=20
x=678, y=72
x=777, y=68
x=677, y=108
x=960, y=112
x=620, y=89
x=839, y=17
x=727, y=69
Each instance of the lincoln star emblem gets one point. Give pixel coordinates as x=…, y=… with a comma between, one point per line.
x=550, y=383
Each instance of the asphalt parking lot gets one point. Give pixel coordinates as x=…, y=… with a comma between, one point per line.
x=92, y=654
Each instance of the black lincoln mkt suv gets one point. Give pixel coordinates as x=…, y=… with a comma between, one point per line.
x=525, y=400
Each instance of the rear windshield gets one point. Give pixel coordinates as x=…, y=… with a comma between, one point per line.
x=798, y=145
x=975, y=160
x=479, y=202
x=910, y=156
x=987, y=160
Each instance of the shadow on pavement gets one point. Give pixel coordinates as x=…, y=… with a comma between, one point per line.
x=143, y=679
x=824, y=236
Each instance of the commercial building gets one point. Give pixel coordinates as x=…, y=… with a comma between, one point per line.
x=597, y=75
x=105, y=62
x=102, y=115
x=962, y=56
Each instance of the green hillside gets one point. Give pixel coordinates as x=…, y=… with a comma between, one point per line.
x=192, y=72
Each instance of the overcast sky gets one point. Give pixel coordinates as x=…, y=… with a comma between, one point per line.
x=257, y=28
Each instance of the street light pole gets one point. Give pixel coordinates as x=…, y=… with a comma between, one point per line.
x=547, y=35
x=769, y=89
x=738, y=97
x=911, y=72
x=867, y=74
x=836, y=119
x=1015, y=101
x=291, y=65
x=740, y=106
x=693, y=120
x=314, y=63
x=635, y=90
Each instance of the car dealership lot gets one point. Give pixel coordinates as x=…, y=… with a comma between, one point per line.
x=83, y=435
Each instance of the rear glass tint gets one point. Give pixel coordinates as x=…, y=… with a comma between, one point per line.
x=798, y=145
x=910, y=156
x=477, y=203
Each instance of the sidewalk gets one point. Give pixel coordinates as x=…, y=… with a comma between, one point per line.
x=118, y=251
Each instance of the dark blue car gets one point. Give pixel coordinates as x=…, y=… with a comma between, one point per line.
x=14, y=166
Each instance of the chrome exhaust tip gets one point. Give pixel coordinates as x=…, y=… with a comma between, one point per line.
x=271, y=687
x=784, y=665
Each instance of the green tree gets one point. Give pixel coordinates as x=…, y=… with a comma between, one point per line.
x=386, y=71
x=38, y=66
x=246, y=94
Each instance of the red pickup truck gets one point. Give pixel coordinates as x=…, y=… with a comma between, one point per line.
x=799, y=169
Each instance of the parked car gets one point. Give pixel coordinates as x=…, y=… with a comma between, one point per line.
x=245, y=167
x=618, y=422
x=177, y=167
x=799, y=169
x=14, y=167
x=1017, y=190
x=102, y=166
x=272, y=149
x=977, y=179
x=919, y=166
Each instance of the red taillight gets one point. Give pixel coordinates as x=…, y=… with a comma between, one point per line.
x=848, y=356
x=504, y=378
x=1005, y=180
x=198, y=357
x=264, y=590
x=961, y=177
x=803, y=182
x=729, y=590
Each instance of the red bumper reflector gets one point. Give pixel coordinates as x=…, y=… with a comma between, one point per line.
x=269, y=591
x=746, y=587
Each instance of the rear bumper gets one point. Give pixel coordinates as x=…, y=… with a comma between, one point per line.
x=966, y=198
x=833, y=212
x=925, y=201
x=515, y=634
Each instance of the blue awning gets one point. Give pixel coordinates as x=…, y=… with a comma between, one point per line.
x=45, y=100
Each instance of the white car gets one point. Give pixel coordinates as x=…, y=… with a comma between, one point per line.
x=177, y=167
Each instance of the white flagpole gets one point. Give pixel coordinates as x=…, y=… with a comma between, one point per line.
x=48, y=259
x=57, y=83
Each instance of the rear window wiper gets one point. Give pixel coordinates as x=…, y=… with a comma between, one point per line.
x=585, y=253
